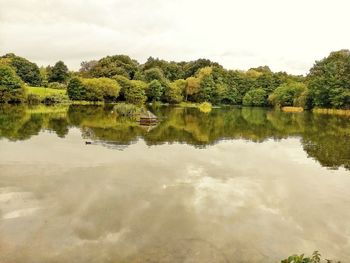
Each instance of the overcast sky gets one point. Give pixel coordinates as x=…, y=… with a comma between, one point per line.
x=287, y=35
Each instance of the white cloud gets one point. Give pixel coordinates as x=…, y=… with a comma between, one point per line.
x=286, y=35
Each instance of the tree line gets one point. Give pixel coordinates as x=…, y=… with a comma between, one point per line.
x=121, y=78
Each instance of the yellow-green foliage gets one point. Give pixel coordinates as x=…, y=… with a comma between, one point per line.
x=205, y=107
x=292, y=109
x=98, y=89
x=193, y=85
x=174, y=91
x=289, y=94
x=204, y=72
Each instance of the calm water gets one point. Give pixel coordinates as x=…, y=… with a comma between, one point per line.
x=232, y=185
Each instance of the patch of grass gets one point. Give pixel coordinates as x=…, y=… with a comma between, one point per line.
x=43, y=92
x=188, y=104
x=126, y=109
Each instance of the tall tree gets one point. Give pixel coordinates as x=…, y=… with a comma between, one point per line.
x=329, y=81
x=26, y=70
x=59, y=73
x=11, y=87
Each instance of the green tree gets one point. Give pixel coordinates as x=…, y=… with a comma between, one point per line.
x=171, y=70
x=255, y=97
x=104, y=88
x=192, y=87
x=289, y=94
x=174, y=91
x=115, y=65
x=75, y=89
x=153, y=74
x=58, y=73
x=155, y=90
x=136, y=92
x=11, y=86
x=207, y=88
x=93, y=89
x=191, y=68
x=26, y=70
x=228, y=94
x=329, y=81
x=44, y=76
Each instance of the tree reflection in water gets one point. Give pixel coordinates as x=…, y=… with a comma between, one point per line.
x=326, y=138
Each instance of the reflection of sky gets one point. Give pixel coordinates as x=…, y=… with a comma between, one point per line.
x=257, y=202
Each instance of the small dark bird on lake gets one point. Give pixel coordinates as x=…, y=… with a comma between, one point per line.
x=88, y=142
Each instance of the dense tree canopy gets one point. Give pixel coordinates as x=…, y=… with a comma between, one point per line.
x=115, y=65
x=290, y=94
x=255, y=97
x=132, y=91
x=174, y=91
x=329, y=81
x=11, y=86
x=327, y=85
x=26, y=70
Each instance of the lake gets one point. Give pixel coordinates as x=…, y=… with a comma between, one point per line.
x=232, y=185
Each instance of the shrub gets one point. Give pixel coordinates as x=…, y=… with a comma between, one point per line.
x=11, y=86
x=52, y=99
x=33, y=99
x=255, y=97
x=205, y=107
x=315, y=258
x=98, y=89
x=94, y=89
x=127, y=110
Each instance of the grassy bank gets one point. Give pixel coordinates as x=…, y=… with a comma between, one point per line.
x=59, y=95
x=43, y=92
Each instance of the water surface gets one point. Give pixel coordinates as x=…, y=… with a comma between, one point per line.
x=232, y=185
